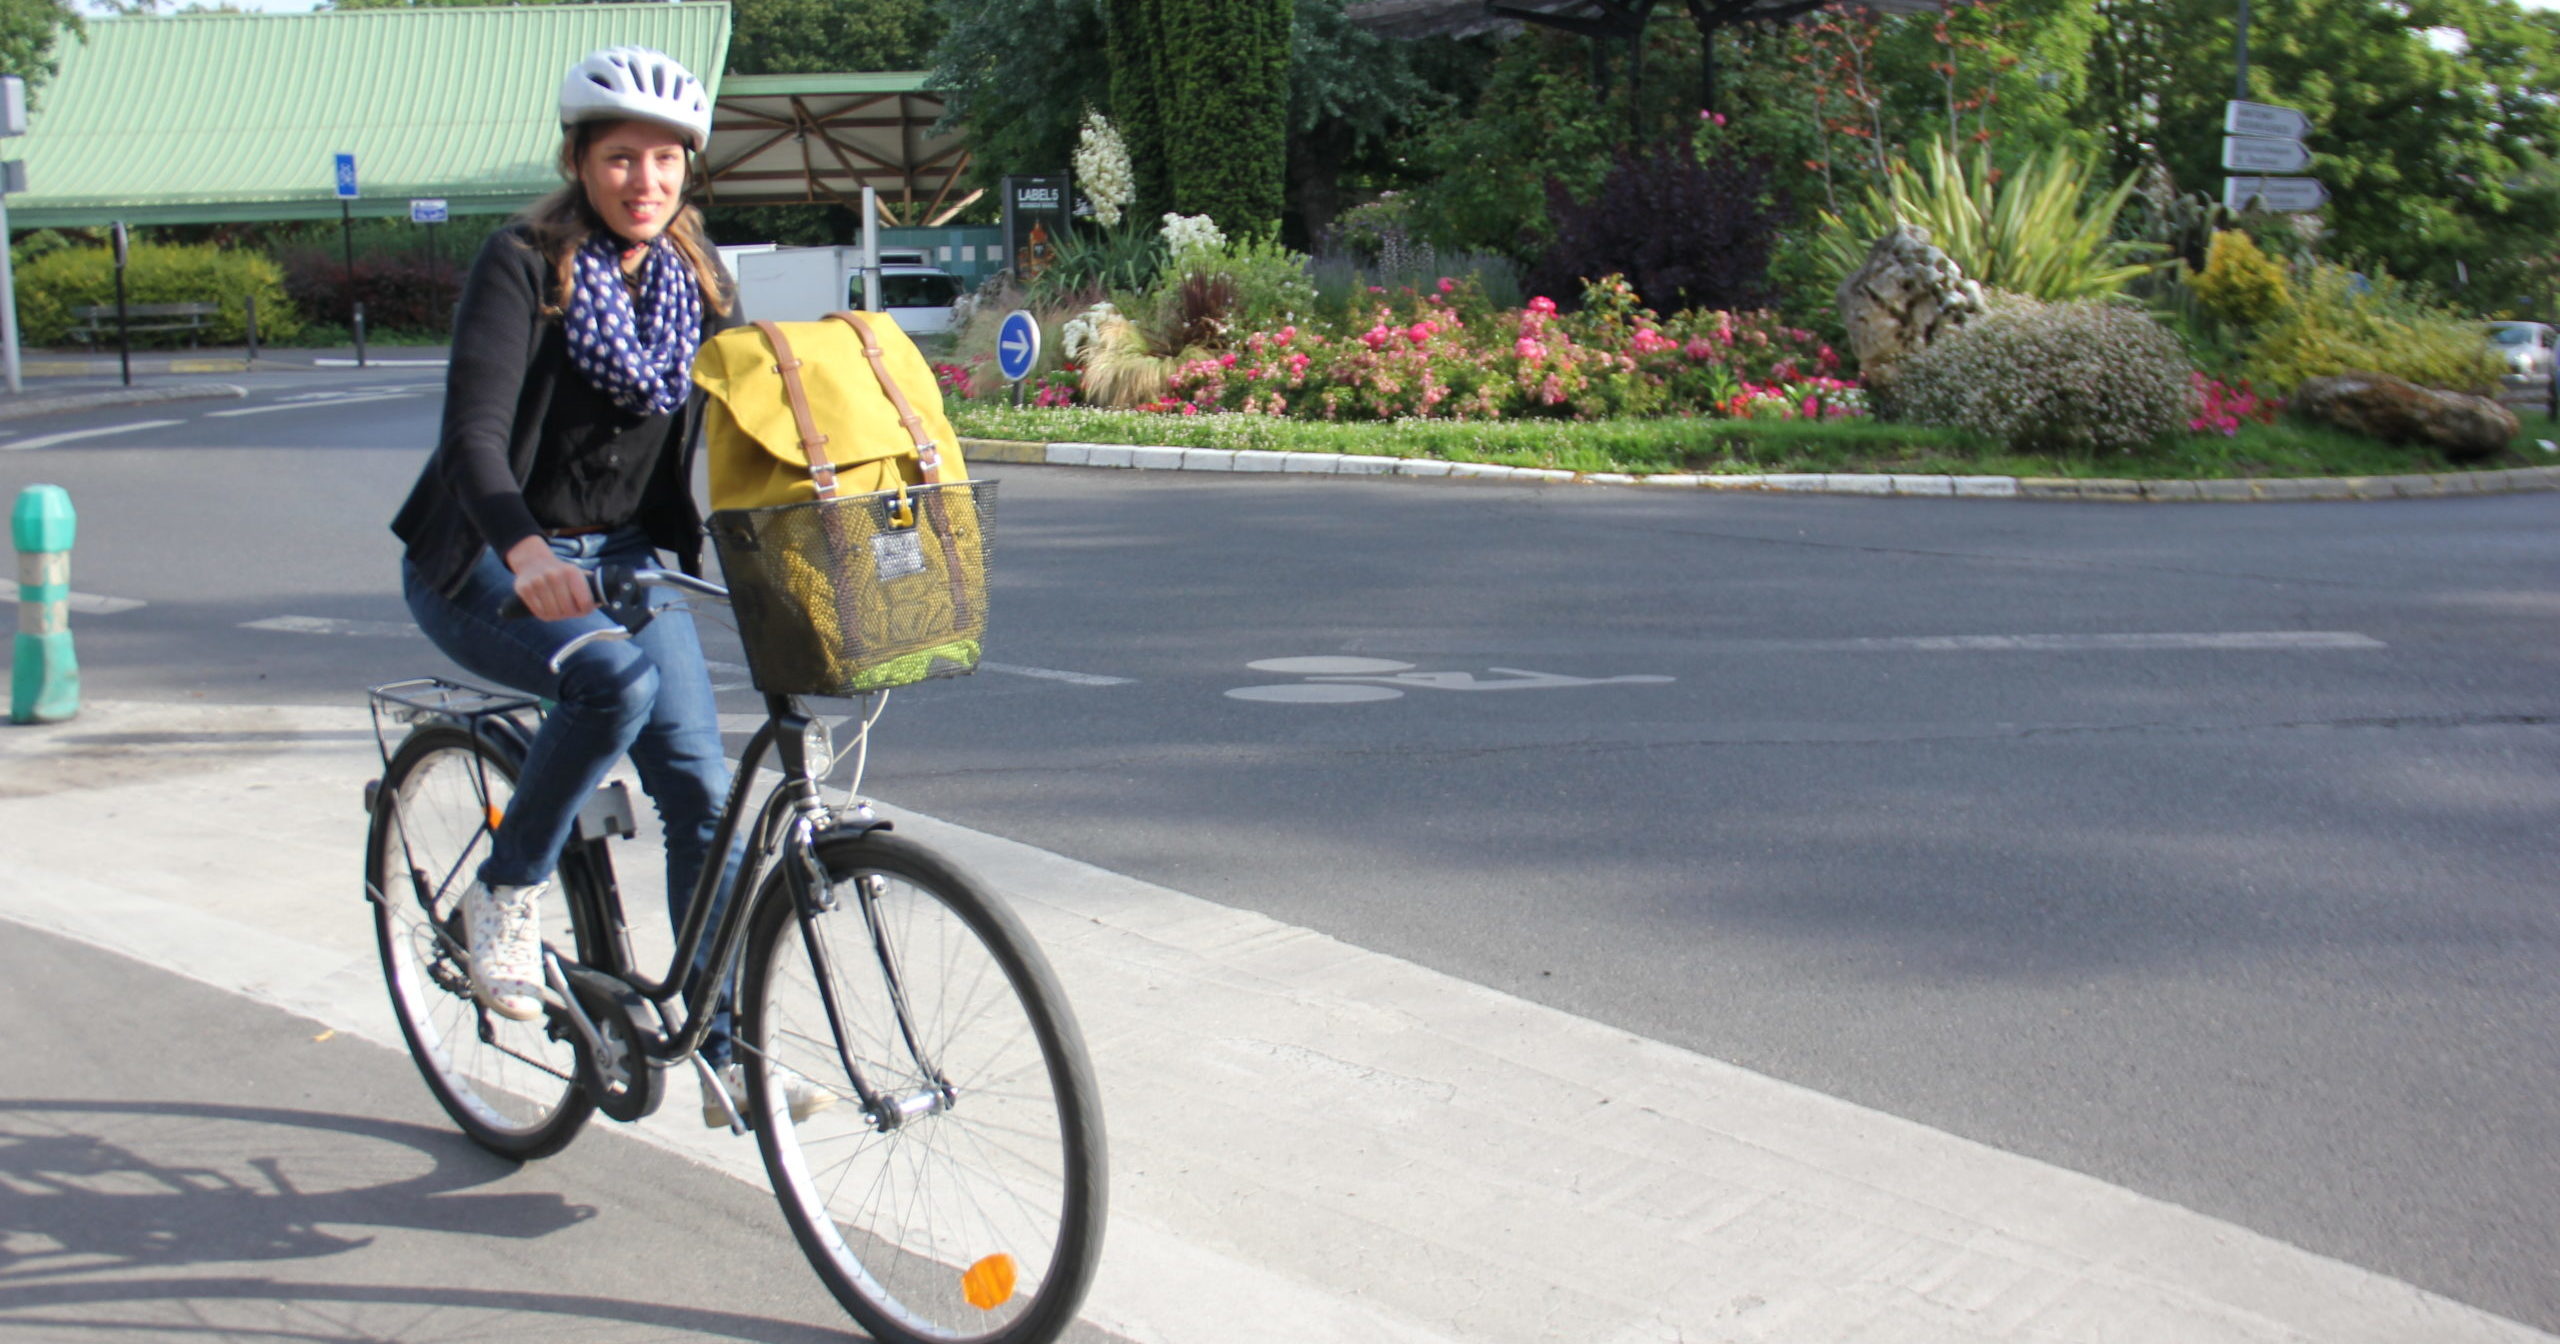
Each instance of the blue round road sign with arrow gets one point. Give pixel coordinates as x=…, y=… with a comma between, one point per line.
x=1017, y=345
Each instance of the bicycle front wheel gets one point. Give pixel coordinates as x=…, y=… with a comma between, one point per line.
x=512, y=1086
x=966, y=1203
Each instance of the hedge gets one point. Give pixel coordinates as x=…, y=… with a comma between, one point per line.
x=51, y=286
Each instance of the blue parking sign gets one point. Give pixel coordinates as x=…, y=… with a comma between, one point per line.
x=346, y=177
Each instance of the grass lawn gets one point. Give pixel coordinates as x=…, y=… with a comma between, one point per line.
x=1739, y=447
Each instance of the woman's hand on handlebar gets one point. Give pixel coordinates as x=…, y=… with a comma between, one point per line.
x=550, y=587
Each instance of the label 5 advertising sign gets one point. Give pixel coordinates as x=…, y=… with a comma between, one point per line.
x=1036, y=219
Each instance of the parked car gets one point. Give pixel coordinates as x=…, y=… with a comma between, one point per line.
x=2527, y=349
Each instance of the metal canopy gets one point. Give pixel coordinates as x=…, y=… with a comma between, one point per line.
x=208, y=118
x=820, y=139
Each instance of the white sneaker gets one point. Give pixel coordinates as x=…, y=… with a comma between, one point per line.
x=505, y=926
x=805, y=1098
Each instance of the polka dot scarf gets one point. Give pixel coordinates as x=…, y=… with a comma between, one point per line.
x=636, y=350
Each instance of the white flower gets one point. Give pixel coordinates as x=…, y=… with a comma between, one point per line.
x=1102, y=168
x=1182, y=233
x=1077, y=334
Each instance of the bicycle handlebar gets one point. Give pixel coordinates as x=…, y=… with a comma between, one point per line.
x=617, y=590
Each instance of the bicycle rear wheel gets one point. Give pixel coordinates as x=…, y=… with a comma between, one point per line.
x=970, y=1207
x=512, y=1086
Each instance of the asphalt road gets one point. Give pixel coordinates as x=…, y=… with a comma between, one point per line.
x=2204, y=849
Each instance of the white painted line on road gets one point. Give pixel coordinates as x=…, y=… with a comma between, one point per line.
x=1503, y=1166
x=331, y=625
x=314, y=404
x=85, y=603
x=70, y=435
x=1053, y=674
x=332, y=362
x=2224, y=642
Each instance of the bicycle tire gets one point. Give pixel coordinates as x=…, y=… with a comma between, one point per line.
x=1002, y=1195
x=511, y=1086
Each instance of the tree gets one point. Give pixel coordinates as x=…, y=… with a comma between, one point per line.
x=29, y=30
x=2431, y=121
x=777, y=37
x=1019, y=75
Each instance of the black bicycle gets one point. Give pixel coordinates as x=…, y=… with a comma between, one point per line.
x=955, y=1188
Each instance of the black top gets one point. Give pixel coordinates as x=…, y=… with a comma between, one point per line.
x=526, y=437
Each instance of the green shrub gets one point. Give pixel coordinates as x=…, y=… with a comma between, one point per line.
x=1272, y=288
x=2239, y=283
x=2339, y=320
x=2083, y=377
x=51, y=287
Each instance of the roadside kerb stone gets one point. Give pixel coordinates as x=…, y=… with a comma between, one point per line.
x=1165, y=458
x=58, y=403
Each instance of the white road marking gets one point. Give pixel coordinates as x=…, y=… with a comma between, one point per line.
x=1504, y=1166
x=332, y=362
x=2228, y=641
x=85, y=603
x=70, y=435
x=1315, y=693
x=1346, y=681
x=1306, y=667
x=331, y=625
x=315, y=404
x=1053, y=674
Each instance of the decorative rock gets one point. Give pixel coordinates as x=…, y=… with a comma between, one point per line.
x=1906, y=295
x=2465, y=428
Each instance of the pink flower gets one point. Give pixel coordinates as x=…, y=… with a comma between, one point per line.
x=1375, y=337
x=1448, y=286
x=1288, y=334
x=1189, y=409
x=1698, y=350
x=1377, y=289
x=1529, y=348
x=1716, y=117
x=1418, y=332
x=1227, y=360
x=1542, y=305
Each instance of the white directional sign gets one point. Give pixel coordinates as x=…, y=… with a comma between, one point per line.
x=2249, y=154
x=2264, y=119
x=2284, y=195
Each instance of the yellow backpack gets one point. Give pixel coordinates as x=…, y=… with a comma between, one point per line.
x=766, y=407
x=847, y=528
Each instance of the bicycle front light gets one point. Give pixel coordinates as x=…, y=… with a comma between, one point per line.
x=818, y=748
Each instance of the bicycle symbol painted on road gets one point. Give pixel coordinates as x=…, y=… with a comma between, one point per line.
x=1345, y=681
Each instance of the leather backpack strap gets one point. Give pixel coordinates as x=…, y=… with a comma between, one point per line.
x=928, y=456
x=822, y=469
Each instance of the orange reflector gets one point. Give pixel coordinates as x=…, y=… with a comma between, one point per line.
x=496, y=815
x=989, y=1283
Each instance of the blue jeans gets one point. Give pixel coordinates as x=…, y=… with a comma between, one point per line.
x=649, y=696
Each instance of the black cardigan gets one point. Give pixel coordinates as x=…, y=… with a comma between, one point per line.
x=509, y=365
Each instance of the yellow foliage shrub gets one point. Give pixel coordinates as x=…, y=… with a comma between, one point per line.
x=2239, y=283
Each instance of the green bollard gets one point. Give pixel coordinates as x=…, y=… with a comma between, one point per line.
x=44, y=679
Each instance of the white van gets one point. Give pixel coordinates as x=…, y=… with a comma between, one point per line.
x=804, y=284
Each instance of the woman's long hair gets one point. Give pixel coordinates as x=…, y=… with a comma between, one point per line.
x=563, y=221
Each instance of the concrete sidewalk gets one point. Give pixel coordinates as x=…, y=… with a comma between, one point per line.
x=1310, y=1142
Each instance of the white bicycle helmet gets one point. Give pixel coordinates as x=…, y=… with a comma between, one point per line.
x=636, y=83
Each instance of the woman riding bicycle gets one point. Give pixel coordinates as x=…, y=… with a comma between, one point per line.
x=570, y=426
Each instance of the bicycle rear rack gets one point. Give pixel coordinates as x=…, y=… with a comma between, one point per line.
x=437, y=700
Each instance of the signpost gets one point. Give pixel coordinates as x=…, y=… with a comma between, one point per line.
x=124, y=334
x=430, y=213
x=2266, y=138
x=1017, y=349
x=345, y=171
x=13, y=121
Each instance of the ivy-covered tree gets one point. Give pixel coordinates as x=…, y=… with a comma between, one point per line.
x=1137, y=73
x=1224, y=96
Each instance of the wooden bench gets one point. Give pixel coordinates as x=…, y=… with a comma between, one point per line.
x=98, y=321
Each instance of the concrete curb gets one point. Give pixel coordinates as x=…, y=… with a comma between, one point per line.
x=21, y=407
x=2518, y=480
